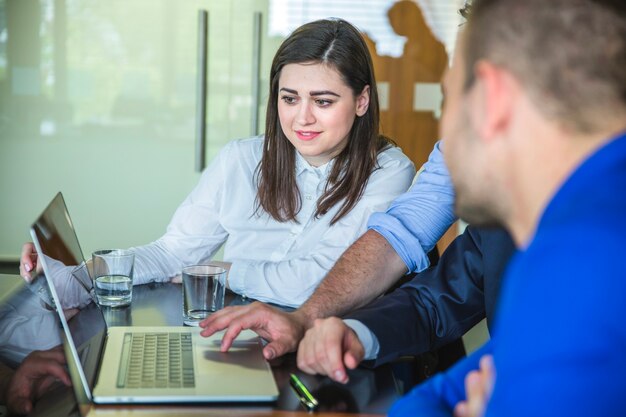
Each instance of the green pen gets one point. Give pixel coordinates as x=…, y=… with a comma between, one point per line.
x=306, y=398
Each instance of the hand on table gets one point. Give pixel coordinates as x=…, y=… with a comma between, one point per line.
x=328, y=348
x=34, y=377
x=478, y=389
x=282, y=330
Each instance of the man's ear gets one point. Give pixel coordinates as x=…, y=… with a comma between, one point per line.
x=363, y=101
x=494, y=101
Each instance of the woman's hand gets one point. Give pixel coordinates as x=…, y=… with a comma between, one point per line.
x=29, y=261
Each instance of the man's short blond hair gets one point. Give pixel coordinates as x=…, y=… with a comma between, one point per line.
x=569, y=54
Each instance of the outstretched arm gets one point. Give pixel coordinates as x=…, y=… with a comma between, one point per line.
x=437, y=306
x=367, y=268
x=396, y=243
x=348, y=290
x=440, y=304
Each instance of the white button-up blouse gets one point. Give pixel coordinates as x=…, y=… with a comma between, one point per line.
x=278, y=262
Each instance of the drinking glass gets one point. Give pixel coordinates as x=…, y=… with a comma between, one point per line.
x=204, y=287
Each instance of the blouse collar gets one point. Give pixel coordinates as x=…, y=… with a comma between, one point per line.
x=321, y=171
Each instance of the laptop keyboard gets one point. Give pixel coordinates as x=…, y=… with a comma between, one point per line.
x=156, y=360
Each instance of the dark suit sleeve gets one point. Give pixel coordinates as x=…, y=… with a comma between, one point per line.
x=436, y=307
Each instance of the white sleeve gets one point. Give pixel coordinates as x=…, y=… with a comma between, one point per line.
x=292, y=281
x=366, y=336
x=194, y=233
x=66, y=284
x=26, y=326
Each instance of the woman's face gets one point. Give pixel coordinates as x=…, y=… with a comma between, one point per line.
x=317, y=109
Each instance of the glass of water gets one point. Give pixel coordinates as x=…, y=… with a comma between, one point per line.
x=113, y=276
x=204, y=287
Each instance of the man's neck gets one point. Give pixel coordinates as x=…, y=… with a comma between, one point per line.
x=551, y=157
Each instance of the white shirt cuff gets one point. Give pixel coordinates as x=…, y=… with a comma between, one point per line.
x=237, y=277
x=367, y=338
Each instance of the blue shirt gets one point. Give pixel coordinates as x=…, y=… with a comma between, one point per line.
x=559, y=343
x=416, y=220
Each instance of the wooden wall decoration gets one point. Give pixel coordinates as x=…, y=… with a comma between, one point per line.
x=424, y=60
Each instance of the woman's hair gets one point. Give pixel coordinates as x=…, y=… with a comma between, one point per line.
x=340, y=46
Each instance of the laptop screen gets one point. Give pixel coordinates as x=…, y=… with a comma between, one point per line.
x=64, y=266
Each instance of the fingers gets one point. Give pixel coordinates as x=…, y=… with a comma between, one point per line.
x=56, y=370
x=276, y=349
x=461, y=410
x=334, y=367
x=56, y=354
x=221, y=320
x=281, y=330
x=44, y=363
x=474, y=388
x=45, y=384
x=28, y=261
x=231, y=334
x=20, y=405
x=320, y=352
x=25, y=273
x=354, y=351
x=478, y=388
x=280, y=345
x=33, y=377
x=264, y=321
x=488, y=370
x=325, y=347
x=469, y=407
x=235, y=319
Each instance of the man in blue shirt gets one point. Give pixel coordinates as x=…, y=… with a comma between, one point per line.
x=535, y=128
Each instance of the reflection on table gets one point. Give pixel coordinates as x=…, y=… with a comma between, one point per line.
x=368, y=391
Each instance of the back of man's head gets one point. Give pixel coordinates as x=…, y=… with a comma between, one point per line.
x=570, y=55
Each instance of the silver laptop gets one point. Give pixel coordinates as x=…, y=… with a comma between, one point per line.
x=142, y=364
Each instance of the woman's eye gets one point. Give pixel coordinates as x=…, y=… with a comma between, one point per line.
x=323, y=103
x=288, y=99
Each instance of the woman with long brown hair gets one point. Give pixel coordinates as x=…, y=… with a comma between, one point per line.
x=286, y=204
